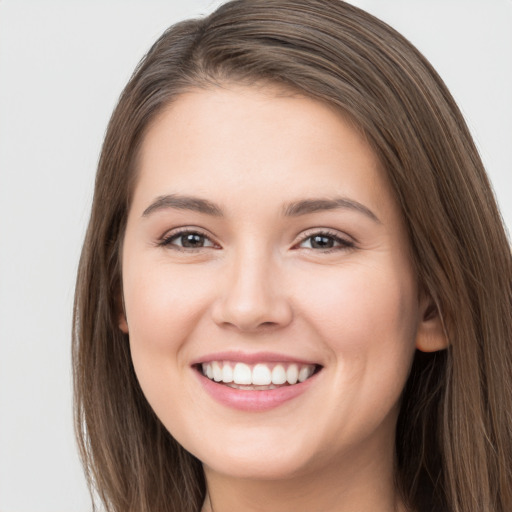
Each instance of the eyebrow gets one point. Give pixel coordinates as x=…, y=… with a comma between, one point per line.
x=179, y=202
x=307, y=206
x=293, y=209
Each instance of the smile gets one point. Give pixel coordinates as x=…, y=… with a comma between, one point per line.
x=262, y=376
x=255, y=382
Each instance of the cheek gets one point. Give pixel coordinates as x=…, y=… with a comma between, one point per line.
x=368, y=317
x=164, y=305
x=367, y=321
x=162, y=302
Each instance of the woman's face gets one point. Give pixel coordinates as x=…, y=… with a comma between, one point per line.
x=264, y=245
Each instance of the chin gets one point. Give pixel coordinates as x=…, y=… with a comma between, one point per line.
x=258, y=468
x=257, y=460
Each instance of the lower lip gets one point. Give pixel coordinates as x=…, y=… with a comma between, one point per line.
x=253, y=400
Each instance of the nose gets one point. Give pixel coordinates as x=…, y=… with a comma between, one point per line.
x=251, y=295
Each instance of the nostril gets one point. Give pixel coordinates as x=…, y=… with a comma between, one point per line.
x=249, y=302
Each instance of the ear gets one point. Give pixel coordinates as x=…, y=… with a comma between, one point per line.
x=121, y=317
x=431, y=336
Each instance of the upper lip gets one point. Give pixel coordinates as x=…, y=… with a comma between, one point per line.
x=251, y=358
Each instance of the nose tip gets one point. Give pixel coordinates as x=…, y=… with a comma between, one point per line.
x=253, y=302
x=253, y=317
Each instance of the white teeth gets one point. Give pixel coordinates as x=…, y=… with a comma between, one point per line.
x=261, y=374
x=227, y=373
x=242, y=374
x=304, y=373
x=278, y=374
x=217, y=371
x=292, y=374
x=252, y=387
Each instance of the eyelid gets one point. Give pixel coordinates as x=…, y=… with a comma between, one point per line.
x=165, y=239
x=346, y=241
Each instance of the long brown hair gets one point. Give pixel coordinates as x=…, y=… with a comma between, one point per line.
x=454, y=434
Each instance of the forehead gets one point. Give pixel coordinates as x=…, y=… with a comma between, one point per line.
x=265, y=140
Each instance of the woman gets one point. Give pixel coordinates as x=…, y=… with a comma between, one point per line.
x=295, y=289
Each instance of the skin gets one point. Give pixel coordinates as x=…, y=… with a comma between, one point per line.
x=258, y=284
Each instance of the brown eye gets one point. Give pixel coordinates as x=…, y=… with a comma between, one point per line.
x=325, y=241
x=191, y=240
x=322, y=242
x=188, y=240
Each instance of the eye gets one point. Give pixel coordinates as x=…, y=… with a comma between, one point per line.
x=325, y=241
x=183, y=240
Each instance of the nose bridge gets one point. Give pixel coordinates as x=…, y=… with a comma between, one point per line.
x=252, y=295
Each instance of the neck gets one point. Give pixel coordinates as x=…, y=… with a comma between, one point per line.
x=362, y=485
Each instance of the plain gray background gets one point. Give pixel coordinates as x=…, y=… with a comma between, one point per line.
x=62, y=67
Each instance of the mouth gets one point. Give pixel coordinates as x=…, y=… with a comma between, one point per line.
x=260, y=376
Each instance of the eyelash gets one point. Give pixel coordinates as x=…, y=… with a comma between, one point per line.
x=343, y=243
x=167, y=240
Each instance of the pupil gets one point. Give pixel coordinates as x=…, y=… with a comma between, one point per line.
x=322, y=242
x=192, y=240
